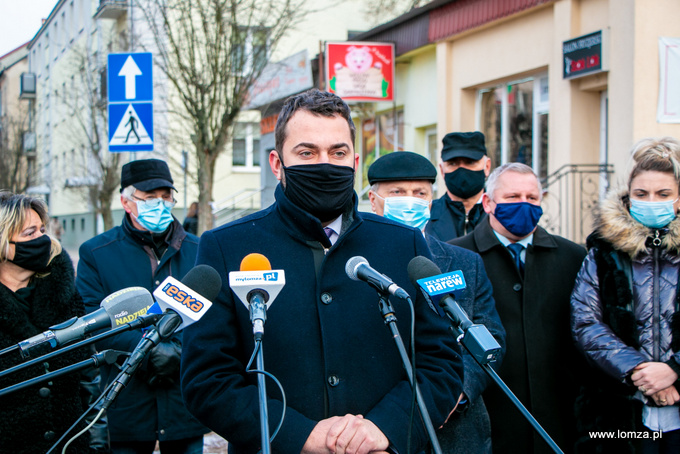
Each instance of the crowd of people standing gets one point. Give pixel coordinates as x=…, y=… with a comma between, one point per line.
x=589, y=337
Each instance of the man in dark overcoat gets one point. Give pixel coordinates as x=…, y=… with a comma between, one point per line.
x=532, y=273
x=147, y=247
x=401, y=188
x=325, y=339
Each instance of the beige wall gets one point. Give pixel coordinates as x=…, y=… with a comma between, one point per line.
x=532, y=42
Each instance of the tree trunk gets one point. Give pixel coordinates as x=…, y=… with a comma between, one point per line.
x=107, y=216
x=206, y=175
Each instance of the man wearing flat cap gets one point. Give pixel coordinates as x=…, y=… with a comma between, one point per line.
x=147, y=247
x=401, y=190
x=465, y=166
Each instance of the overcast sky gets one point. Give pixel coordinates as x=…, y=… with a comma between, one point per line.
x=20, y=20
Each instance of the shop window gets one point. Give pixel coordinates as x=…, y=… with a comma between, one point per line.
x=246, y=145
x=514, y=120
x=381, y=136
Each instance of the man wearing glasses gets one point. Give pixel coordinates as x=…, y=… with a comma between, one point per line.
x=147, y=247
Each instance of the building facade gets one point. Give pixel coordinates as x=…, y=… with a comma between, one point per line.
x=17, y=145
x=510, y=70
x=68, y=57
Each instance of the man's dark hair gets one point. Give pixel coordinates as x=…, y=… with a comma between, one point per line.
x=317, y=102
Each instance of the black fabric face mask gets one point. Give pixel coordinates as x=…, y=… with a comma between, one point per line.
x=33, y=255
x=322, y=190
x=465, y=183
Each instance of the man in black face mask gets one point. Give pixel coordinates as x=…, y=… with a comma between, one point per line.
x=325, y=341
x=465, y=167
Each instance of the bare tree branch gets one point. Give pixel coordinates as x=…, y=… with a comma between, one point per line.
x=212, y=52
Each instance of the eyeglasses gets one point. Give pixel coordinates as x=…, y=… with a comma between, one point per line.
x=153, y=203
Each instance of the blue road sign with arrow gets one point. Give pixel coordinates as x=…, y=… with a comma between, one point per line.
x=130, y=92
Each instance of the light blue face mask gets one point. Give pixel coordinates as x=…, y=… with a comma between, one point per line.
x=411, y=211
x=154, y=216
x=652, y=214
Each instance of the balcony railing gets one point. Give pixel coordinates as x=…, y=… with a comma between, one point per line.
x=111, y=9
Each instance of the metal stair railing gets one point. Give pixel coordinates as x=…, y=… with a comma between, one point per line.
x=570, y=195
x=236, y=206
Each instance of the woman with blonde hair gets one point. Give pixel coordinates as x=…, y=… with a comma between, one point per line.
x=625, y=308
x=36, y=291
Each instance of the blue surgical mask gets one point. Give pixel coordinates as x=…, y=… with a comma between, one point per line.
x=518, y=218
x=652, y=214
x=154, y=216
x=411, y=211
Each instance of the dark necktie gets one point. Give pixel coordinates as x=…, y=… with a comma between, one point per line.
x=516, y=251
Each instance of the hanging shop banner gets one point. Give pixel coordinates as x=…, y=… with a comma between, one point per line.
x=668, y=109
x=584, y=55
x=281, y=79
x=360, y=71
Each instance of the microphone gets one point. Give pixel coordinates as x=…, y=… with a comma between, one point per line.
x=438, y=289
x=184, y=303
x=257, y=286
x=181, y=299
x=358, y=269
x=116, y=309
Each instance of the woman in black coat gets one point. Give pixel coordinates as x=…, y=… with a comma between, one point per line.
x=36, y=291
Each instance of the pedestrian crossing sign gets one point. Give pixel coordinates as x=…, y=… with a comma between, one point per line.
x=131, y=127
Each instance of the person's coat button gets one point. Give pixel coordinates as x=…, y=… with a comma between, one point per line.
x=517, y=287
x=326, y=298
x=333, y=380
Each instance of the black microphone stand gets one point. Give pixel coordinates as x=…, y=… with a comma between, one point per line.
x=258, y=315
x=391, y=321
x=105, y=357
x=139, y=322
x=480, y=344
x=165, y=328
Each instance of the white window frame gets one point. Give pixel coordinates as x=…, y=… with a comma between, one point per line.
x=250, y=149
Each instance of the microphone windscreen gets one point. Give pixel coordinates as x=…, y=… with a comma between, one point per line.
x=127, y=304
x=420, y=268
x=205, y=280
x=351, y=266
x=255, y=262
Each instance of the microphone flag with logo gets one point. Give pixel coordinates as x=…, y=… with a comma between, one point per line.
x=257, y=285
x=117, y=309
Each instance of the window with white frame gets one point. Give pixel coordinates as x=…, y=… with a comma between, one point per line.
x=432, y=145
x=246, y=145
x=514, y=119
x=250, y=49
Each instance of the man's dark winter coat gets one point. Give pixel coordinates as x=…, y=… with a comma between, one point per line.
x=448, y=219
x=469, y=431
x=540, y=360
x=113, y=261
x=325, y=338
